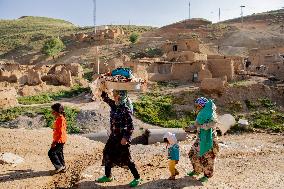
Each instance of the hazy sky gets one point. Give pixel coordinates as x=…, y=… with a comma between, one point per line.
x=139, y=12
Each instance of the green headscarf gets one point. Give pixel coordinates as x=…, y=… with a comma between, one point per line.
x=206, y=115
x=124, y=99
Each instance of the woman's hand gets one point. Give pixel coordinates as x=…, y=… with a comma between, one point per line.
x=123, y=141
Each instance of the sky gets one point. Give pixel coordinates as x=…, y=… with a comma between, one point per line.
x=137, y=12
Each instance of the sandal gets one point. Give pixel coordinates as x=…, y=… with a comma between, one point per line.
x=104, y=179
x=203, y=179
x=135, y=182
x=192, y=173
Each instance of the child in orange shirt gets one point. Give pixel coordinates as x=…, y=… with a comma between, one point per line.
x=59, y=138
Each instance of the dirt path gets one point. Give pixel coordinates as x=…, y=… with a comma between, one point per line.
x=245, y=161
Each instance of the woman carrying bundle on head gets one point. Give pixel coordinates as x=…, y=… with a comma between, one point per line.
x=116, y=151
x=205, y=148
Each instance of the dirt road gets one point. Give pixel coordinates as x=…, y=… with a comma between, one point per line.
x=245, y=161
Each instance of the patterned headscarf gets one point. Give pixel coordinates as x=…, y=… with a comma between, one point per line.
x=201, y=101
x=124, y=99
x=208, y=111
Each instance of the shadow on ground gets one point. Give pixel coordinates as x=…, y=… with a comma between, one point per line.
x=157, y=184
x=22, y=174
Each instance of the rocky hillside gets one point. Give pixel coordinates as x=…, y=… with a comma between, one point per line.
x=24, y=37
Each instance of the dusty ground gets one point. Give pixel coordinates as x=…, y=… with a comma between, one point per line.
x=248, y=160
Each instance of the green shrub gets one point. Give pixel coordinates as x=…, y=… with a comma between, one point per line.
x=10, y=114
x=157, y=109
x=89, y=75
x=49, y=97
x=133, y=38
x=269, y=120
x=153, y=52
x=71, y=116
x=53, y=47
x=235, y=106
x=251, y=105
x=266, y=103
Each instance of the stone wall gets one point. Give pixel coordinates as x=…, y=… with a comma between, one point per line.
x=204, y=74
x=185, y=56
x=263, y=57
x=221, y=68
x=213, y=85
x=185, y=71
x=182, y=45
x=276, y=69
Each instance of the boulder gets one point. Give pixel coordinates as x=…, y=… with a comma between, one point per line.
x=8, y=98
x=34, y=77
x=10, y=158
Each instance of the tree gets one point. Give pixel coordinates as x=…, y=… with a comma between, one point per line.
x=53, y=46
x=133, y=38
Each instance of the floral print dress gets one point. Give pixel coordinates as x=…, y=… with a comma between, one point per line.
x=121, y=126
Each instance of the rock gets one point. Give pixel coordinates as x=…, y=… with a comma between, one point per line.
x=25, y=122
x=10, y=158
x=8, y=98
x=34, y=77
x=243, y=122
x=91, y=120
x=213, y=85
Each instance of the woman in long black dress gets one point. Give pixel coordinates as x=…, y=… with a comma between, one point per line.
x=116, y=151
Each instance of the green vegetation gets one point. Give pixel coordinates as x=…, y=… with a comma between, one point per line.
x=49, y=97
x=53, y=47
x=13, y=113
x=88, y=74
x=263, y=115
x=30, y=33
x=133, y=38
x=153, y=52
x=235, y=106
x=148, y=52
x=268, y=120
x=157, y=109
x=71, y=116
x=129, y=29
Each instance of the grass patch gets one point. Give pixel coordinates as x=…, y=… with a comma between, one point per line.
x=71, y=116
x=13, y=113
x=268, y=120
x=157, y=109
x=89, y=75
x=49, y=97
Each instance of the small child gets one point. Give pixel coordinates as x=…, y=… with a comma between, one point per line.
x=59, y=138
x=173, y=153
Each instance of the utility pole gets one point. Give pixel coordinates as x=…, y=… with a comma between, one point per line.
x=219, y=14
x=95, y=26
x=242, y=13
x=189, y=10
x=95, y=16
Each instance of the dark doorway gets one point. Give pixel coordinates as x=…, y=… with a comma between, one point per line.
x=175, y=48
